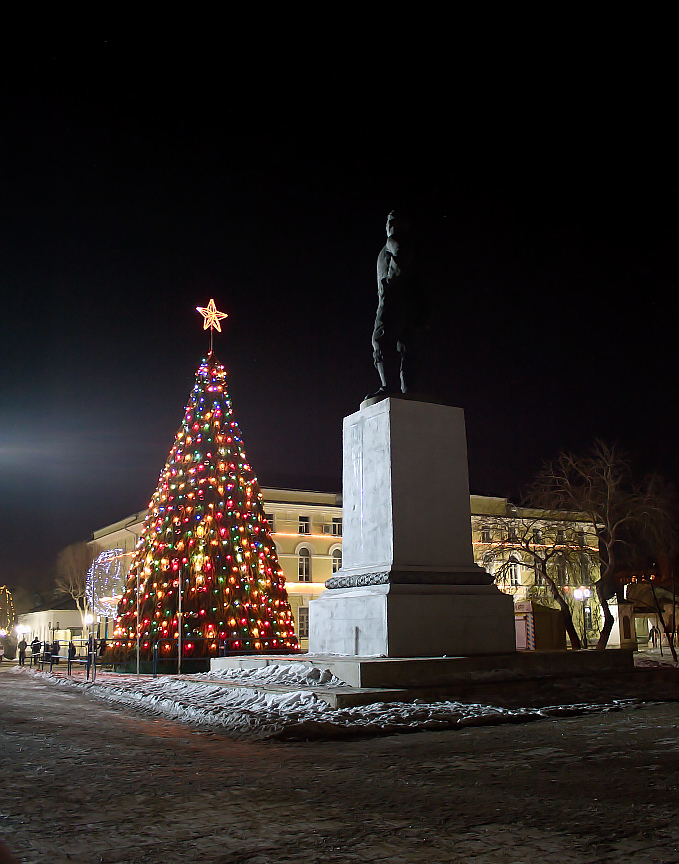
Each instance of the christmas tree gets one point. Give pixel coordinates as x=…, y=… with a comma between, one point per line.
x=205, y=556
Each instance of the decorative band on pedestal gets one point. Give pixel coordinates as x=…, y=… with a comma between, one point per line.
x=477, y=576
x=358, y=580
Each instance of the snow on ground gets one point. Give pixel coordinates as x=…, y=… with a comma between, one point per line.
x=654, y=661
x=297, y=714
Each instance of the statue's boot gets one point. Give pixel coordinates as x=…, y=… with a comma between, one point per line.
x=385, y=390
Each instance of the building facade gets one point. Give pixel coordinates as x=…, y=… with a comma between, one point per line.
x=307, y=530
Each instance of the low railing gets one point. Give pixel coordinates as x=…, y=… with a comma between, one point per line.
x=48, y=657
x=195, y=652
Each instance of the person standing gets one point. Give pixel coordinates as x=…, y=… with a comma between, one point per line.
x=22, y=646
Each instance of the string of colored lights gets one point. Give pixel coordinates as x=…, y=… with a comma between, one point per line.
x=105, y=582
x=7, y=613
x=206, y=530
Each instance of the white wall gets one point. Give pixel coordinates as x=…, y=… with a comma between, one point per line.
x=41, y=624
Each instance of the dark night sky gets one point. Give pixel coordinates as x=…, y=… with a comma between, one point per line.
x=133, y=190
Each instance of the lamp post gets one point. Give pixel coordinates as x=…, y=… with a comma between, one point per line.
x=137, y=647
x=95, y=625
x=179, y=621
x=583, y=594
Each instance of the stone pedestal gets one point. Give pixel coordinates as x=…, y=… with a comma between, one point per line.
x=397, y=620
x=408, y=586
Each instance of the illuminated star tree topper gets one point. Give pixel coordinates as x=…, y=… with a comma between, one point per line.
x=211, y=318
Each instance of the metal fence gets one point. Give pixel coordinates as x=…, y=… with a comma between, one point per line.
x=78, y=653
x=88, y=654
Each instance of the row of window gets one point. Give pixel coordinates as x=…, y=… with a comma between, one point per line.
x=304, y=525
x=303, y=622
x=538, y=539
x=304, y=563
x=563, y=577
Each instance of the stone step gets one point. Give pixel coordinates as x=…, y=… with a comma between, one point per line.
x=420, y=672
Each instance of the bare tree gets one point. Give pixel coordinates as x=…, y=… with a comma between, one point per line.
x=550, y=543
x=656, y=551
x=621, y=511
x=73, y=562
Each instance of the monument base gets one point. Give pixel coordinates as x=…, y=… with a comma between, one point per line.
x=519, y=679
x=412, y=620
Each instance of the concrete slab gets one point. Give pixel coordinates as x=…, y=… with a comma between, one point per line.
x=417, y=674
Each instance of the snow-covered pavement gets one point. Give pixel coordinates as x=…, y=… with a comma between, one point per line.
x=214, y=701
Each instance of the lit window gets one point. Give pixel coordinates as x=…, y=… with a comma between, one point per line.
x=304, y=525
x=562, y=571
x=585, y=564
x=514, y=572
x=304, y=565
x=303, y=622
x=540, y=573
x=337, y=527
x=336, y=560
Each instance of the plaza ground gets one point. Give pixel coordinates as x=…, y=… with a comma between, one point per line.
x=84, y=782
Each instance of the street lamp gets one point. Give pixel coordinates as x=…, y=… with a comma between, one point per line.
x=583, y=594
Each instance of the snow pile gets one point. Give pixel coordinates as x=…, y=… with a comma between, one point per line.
x=290, y=675
x=301, y=715
x=645, y=662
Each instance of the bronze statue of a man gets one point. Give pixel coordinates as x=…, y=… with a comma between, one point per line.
x=397, y=308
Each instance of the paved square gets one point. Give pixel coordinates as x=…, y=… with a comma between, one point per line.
x=83, y=782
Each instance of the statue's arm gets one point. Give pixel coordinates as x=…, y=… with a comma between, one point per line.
x=392, y=246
